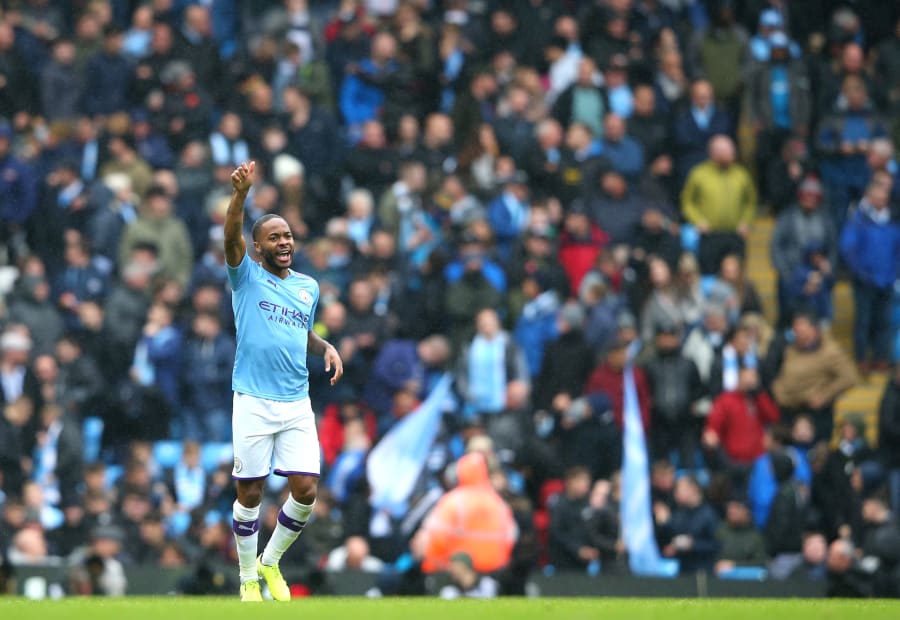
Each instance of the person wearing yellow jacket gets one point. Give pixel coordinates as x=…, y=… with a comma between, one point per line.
x=719, y=199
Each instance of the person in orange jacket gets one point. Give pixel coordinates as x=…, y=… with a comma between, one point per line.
x=472, y=519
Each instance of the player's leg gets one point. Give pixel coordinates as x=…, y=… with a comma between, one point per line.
x=252, y=458
x=297, y=457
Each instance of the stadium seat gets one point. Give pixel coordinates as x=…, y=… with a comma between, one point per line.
x=167, y=453
x=214, y=454
x=92, y=438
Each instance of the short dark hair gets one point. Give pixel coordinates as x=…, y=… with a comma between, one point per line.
x=257, y=225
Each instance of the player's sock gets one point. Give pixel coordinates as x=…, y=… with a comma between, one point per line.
x=292, y=519
x=245, y=525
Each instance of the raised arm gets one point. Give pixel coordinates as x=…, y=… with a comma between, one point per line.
x=241, y=180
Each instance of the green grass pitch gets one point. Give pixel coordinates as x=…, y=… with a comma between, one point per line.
x=175, y=608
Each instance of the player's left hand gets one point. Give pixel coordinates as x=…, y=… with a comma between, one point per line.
x=333, y=359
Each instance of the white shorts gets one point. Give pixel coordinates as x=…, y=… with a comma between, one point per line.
x=268, y=432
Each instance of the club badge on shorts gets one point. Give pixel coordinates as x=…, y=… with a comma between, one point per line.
x=238, y=465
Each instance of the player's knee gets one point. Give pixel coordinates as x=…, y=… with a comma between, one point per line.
x=303, y=490
x=250, y=496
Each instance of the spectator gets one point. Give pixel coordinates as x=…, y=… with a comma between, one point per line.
x=719, y=198
x=108, y=75
x=691, y=530
x=735, y=429
x=570, y=547
x=465, y=582
x=508, y=213
x=584, y=102
x=32, y=307
x=741, y=544
x=870, y=245
x=125, y=159
x=799, y=231
x=813, y=373
x=608, y=378
x=227, y=146
x=732, y=278
x=61, y=84
x=695, y=126
x=81, y=280
x=566, y=362
x=488, y=365
x=80, y=383
x=779, y=100
x=652, y=130
x=580, y=163
x=881, y=540
x=471, y=518
x=18, y=192
x=675, y=389
x=889, y=437
x=155, y=372
x=843, y=142
x=208, y=361
x=18, y=91
x=787, y=518
x=365, y=86
x=626, y=153
x=536, y=325
x=157, y=224
x=616, y=209
x=722, y=53
x=580, y=243
x=474, y=283
x=197, y=46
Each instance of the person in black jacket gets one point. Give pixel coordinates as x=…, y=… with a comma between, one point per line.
x=881, y=540
x=570, y=547
x=787, y=515
x=675, y=385
x=567, y=361
x=889, y=437
x=689, y=534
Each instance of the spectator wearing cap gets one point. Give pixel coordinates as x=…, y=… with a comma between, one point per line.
x=580, y=242
x=157, y=224
x=770, y=24
x=802, y=228
x=108, y=76
x=508, y=213
x=870, y=246
x=675, y=388
x=843, y=141
x=719, y=198
x=779, y=100
x=814, y=371
x=695, y=126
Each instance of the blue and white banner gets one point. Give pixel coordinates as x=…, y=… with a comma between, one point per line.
x=636, y=516
x=396, y=462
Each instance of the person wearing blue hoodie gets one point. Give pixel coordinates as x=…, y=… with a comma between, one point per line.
x=870, y=245
x=364, y=88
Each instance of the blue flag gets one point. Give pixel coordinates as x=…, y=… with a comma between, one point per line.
x=396, y=462
x=644, y=558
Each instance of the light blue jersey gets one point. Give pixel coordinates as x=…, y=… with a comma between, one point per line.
x=272, y=317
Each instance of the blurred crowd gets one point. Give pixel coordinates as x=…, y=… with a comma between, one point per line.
x=512, y=192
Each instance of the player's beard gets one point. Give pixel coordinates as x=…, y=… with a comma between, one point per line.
x=271, y=258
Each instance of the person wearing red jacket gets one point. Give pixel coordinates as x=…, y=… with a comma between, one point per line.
x=609, y=378
x=736, y=424
x=579, y=244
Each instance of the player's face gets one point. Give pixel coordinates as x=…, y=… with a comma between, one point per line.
x=276, y=244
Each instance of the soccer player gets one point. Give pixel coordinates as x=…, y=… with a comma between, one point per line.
x=274, y=308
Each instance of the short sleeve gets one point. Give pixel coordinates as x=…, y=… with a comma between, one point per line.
x=312, y=309
x=238, y=275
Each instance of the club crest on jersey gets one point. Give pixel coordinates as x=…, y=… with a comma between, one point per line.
x=305, y=297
